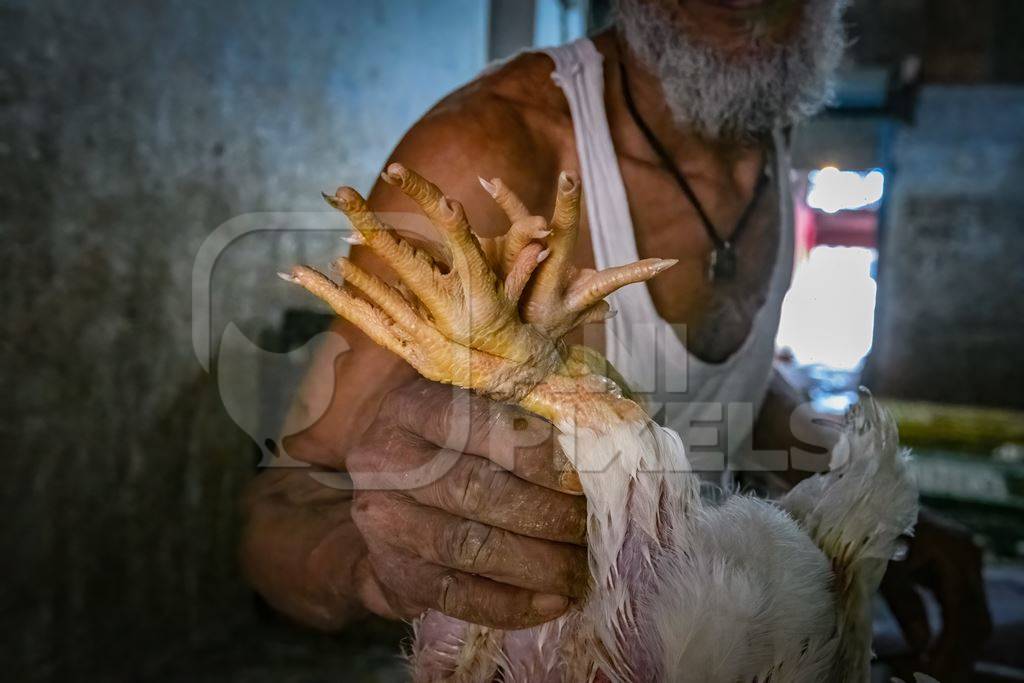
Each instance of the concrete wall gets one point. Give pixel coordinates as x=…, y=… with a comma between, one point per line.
x=950, y=321
x=130, y=131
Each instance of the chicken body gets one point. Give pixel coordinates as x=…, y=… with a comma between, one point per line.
x=688, y=590
x=682, y=589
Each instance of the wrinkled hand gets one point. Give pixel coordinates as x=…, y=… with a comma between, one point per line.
x=465, y=510
x=943, y=559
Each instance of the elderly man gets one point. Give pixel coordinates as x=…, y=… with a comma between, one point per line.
x=675, y=119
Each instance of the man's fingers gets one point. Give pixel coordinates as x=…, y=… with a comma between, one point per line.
x=476, y=599
x=477, y=489
x=374, y=595
x=457, y=543
x=908, y=608
x=459, y=420
x=966, y=624
x=944, y=559
x=481, y=601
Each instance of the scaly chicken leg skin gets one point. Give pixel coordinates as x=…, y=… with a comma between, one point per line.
x=465, y=322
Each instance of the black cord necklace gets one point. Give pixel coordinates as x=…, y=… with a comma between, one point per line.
x=722, y=265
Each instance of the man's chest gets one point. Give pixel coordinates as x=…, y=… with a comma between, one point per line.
x=718, y=315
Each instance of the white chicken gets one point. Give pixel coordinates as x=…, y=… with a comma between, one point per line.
x=683, y=589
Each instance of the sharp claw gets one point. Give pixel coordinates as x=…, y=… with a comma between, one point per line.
x=448, y=208
x=355, y=239
x=565, y=218
x=288, y=277
x=342, y=198
x=394, y=174
x=488, y=186
x=567, y=181
x=507, y=200
x=664, y=264
x=543, y=255
x=590, y=289
x=345, y=195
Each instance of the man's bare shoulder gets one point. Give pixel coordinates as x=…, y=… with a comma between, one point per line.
x=524, y=82
x=518, y=92
x=509, y=122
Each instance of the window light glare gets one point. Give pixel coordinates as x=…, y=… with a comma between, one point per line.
x=831, y=190
x=828, y=315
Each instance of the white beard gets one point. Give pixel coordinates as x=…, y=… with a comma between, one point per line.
x=738, y=97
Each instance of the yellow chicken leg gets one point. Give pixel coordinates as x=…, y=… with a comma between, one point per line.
x=471, y=327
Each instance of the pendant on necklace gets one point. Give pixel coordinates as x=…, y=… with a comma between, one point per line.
x=723, y=263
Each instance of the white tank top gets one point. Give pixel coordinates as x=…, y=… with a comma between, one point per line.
x=711, y=405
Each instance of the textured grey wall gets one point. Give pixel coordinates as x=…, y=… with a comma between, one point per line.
x=130, y=131
x=950, y=323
